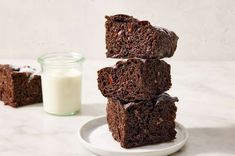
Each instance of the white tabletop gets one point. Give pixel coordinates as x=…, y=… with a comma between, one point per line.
x=206, y=108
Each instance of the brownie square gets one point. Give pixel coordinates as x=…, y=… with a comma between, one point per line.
x=135, y=79
x=141, y=123
x=19, y=86
x=127, y=37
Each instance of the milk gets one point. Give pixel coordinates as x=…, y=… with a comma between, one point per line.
x=61, y=91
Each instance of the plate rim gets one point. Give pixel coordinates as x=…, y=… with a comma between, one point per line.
x=89, y=145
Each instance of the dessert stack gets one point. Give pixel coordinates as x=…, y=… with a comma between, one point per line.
x=139, y=112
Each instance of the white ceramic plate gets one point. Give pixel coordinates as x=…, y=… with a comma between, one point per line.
x=97, y=138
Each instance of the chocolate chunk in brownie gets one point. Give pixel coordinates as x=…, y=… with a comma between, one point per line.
x=135, y=79
x=142, y=122
x=127, y=37
x=19, y=86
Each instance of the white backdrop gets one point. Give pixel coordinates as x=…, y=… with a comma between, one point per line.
x=29, y=28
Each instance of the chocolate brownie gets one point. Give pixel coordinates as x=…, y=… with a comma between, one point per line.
x=127, y=37
x=135, y=79
x=19, y=86
x=142, y=122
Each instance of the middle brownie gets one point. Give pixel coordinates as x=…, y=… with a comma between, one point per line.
x=135, y=79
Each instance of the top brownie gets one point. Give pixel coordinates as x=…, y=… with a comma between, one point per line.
x=127, y=37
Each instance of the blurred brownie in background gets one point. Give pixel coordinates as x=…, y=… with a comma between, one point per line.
x=19, y=86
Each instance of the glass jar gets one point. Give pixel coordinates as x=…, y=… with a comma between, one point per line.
x=61, y=82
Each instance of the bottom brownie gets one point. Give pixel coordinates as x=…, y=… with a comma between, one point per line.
x=141, y=123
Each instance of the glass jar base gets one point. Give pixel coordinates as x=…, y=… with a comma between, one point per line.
x=63, y=114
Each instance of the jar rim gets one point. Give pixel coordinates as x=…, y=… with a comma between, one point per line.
x=60, y=58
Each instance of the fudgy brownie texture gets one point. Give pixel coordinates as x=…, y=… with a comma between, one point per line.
x=141, y=123
x=19, y=86
x=127, y=37
x=135, y=79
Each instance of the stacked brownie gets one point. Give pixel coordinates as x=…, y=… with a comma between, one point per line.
x=139, y=112
x=19, y=86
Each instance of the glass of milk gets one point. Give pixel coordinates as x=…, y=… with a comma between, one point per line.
x=61, y=82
